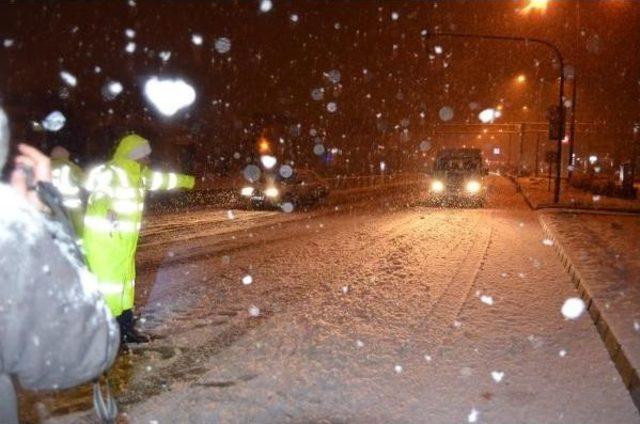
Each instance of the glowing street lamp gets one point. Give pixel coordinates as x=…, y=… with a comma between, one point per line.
x=536, y=6
x=263, y=145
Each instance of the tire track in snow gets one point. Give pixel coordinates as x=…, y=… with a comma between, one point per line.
x=441, y=316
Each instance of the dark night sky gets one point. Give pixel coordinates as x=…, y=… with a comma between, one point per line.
x=274, y=63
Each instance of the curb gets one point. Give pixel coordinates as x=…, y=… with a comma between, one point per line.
x=569, y=208
x=616, y=351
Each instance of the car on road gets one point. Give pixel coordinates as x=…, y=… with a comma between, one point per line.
x=458, y=178
x=303, y=188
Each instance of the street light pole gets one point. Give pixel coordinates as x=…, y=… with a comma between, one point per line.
x=558, y=54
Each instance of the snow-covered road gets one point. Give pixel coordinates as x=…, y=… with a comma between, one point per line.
x=381, y=314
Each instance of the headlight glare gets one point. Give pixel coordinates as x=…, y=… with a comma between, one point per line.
x=473, y=186
x=437, y=186
x=271, y=192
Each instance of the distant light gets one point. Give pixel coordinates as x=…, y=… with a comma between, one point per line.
x=268, y=161
x=266, y=5
x=68, y=78
x=196, y=39
x=130, y=47
x=593, y=159
x=54, y=121
x=169, y=96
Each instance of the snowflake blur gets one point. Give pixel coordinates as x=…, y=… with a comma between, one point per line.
x=168, y=96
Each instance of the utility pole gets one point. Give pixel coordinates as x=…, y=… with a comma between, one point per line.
x=521, y=154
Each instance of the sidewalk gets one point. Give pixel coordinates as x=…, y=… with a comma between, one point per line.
x=601, y=254
x=537, y=194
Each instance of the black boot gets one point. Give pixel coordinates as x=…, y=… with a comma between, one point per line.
x=128, y=332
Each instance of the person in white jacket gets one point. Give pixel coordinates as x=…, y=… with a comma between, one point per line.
x=55, y=329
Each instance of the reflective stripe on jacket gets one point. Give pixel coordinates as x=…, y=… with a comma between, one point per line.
x=68, y=178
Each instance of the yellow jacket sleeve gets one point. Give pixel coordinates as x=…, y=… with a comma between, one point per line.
x=154, y=180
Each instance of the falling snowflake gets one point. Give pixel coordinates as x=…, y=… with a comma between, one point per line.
x=254, y=311
x=165, y=55
x=457, y=324
x=398, y=369
x=359, y=343
x=497, y=376
x=54, y=121
x=318, y=150
x=69, y=78
x=333, y=76
x=332, y=107
x=486, y=299
x=547, y=242
x=130, y=33
x=169, y=96
x=438, y=49
x=196, y=39
x=487, y=116
x=287, y=207
x=266, y=5
x=427, y=358
x=222, y=45
x=286, y=171
x=247, y=280
x=446, y=113
x=562, y=353
x=8, y=42
x=345, y=289
x=130, y=47
x=573, y=308
x=268, y=161
x=231, y=215
x=473, y=415
x=252, y=173
x=394, y=16
x=317, y=94
x=636, y=325
x=294, y=17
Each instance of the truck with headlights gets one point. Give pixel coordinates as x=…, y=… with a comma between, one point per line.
x=458, y=178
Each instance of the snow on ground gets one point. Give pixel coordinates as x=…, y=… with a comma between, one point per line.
x=604, y=248
x=408, y=341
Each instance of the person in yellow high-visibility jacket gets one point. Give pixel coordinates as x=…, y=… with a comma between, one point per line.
x=68, y=178
x=112, y=223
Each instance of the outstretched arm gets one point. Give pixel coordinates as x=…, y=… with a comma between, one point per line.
x=154, y=180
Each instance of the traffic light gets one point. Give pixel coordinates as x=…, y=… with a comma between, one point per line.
x=555, y=116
